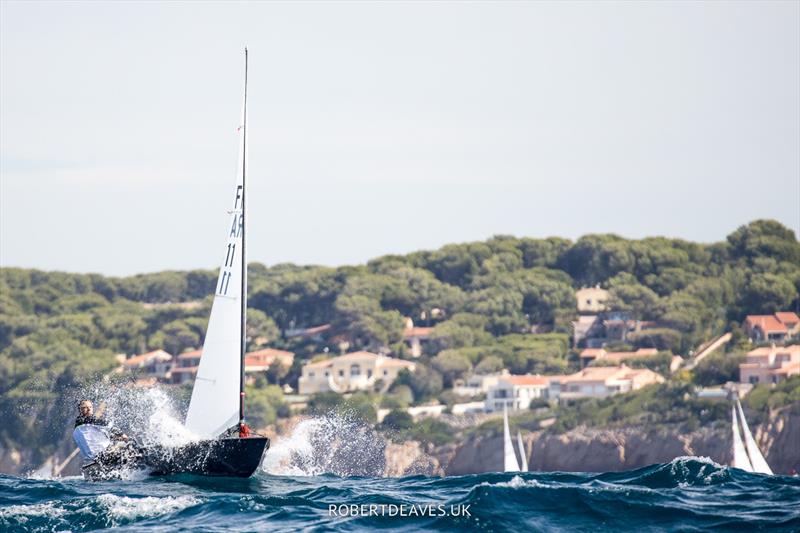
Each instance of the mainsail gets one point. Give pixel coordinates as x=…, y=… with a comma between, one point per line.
x=522, y=453
x=216, y=403
x=510, y=463
x=740, y=459
x=756, y=459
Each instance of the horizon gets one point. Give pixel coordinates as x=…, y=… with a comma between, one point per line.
x=533, y=119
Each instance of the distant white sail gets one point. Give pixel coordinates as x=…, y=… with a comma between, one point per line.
x=522, y=453
x=214, y=406
x=510, y=463
x=740, y=459
x=756, y=459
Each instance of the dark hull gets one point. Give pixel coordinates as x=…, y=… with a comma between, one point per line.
x=232, y=457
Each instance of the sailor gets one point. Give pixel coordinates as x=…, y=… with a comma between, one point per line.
x=93, y=434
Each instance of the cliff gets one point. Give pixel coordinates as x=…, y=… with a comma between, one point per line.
x=625, y=448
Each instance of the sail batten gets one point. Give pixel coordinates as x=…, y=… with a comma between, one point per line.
x=510, y=463
x=756, y=458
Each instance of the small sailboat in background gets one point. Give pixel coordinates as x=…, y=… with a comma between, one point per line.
x=746, y=456
x=522, y=453
x=510, y=463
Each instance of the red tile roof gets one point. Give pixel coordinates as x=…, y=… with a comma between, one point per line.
x=528, y=380
x=788, y=318
x=194, y=354
x=139, y=360
x=767, y=323
x=417, y=332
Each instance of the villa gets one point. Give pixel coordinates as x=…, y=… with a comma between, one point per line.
x=602, y=381
x=352, y=372
x=779, y=327
x=770, y=364
x=516, y=392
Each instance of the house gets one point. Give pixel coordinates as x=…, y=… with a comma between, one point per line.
x=596, y=331
x=185, y=368
x=261, y=360
x=592, y=299
x=156, y=364
x=351, y=372
x=187, y=363
x=586, y=327
x=771, y=328
x=478, y=383
x=590, y=355
x=415, y=337
x=516, y=392
x=602, y=381
x=770, y=364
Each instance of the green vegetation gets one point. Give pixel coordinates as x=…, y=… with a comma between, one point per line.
x=59, y=331
x=668, y=403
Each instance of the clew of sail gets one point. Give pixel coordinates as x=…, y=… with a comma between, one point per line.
x=510, y=463
x=756, y=458
x=740, y=459
x=522, y=454
x=215, y=403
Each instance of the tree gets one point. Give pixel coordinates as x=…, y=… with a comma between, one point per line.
x=425, y=382
x=765, y=238
x=768, y=293
x=259, y=325
x=397, y=420
x=451, y=365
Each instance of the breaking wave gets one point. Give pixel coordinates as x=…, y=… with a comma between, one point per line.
x=686, y=494
x=338, y=443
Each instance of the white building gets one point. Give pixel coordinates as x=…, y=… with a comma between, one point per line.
x=156, y=364
x=351, y=372
x=602, y=381
x=516, y=392
x=478, y=383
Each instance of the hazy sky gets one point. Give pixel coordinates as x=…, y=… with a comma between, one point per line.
x=381, y=128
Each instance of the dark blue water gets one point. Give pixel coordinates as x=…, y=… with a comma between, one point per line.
x=687, y=494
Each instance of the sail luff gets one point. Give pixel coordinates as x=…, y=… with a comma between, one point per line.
x=740, y=459
x=510, y=463
x=243, y=331
x=756, y=458
x=522, y=453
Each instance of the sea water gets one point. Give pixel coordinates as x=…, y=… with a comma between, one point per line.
x=687, y=494
x=326, y=476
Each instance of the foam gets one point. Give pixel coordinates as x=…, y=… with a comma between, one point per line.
x=336, y=443
x=127, y=508
x=21, y=513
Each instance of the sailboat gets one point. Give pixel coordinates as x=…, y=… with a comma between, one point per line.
x=746, y=456
x=510, y=463
x=226, y=446
x=522, y=454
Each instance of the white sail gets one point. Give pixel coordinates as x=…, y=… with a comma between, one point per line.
x=214, y=406
x=756, y=459
x=509, y=457
x=740, y=459
x=522, y=453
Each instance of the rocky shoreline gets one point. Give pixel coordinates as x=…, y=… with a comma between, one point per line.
x=581, y=449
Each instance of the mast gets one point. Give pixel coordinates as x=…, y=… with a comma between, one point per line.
x=243, y=332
